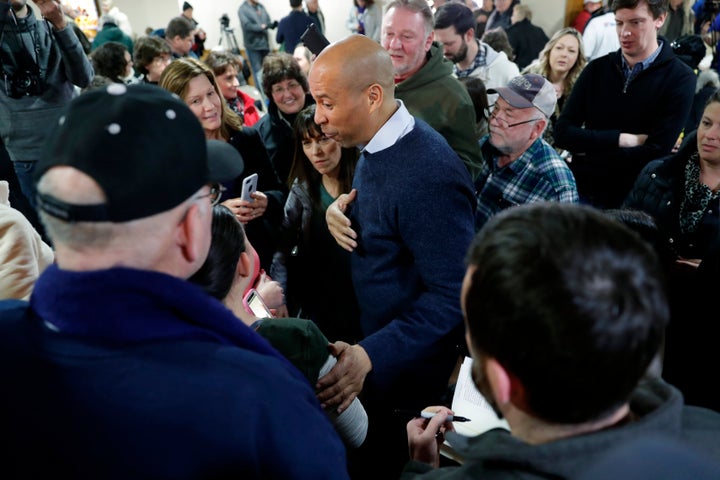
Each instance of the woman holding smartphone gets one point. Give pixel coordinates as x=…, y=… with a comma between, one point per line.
x=194, y=82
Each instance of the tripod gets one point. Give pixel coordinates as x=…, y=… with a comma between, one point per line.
x=228, y=35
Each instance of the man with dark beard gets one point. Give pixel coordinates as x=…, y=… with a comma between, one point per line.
x=455, y=29
x=564, y=310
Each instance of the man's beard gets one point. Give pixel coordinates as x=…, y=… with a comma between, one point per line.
x=461, y=53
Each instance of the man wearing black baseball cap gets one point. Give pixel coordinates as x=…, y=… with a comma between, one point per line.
x=520, y=167
x=118, y=367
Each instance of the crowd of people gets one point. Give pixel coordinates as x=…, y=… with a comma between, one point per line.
x=447, y=181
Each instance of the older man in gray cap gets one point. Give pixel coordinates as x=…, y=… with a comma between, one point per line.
x=520, y=167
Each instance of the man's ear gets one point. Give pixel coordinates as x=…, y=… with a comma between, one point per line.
x=429, y=40
x=499, y=380
x=506, y=387
x=189, y=234
x=470, y=35
x=661, y=20
x=375, y=96
x=539, y=127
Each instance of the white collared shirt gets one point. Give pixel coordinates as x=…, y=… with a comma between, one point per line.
x=398, y=125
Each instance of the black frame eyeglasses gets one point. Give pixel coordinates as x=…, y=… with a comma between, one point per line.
x=215, y=194
x=492, y=114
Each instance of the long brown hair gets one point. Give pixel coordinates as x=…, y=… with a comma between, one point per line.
x=176, y=78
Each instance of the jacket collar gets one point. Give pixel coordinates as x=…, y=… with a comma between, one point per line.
x=123, y=305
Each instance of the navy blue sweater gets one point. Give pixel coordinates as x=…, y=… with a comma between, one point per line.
x=414, y=218
x=142, y=375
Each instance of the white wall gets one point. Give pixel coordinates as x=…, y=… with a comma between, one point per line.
x=157, y=13
x=547, y=14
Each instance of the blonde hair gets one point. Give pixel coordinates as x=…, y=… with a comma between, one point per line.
x=542, y=65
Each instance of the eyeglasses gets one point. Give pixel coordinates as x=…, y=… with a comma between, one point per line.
x=216, y=191
x=279, y=89
x=493, y=114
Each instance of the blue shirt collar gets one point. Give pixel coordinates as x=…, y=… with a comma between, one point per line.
x=644, y=64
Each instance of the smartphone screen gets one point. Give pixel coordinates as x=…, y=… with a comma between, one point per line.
x=256, y=305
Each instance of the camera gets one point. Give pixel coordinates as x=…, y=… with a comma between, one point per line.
x=225, y=21
x=23, y=83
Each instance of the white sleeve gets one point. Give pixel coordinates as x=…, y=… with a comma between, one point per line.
x=590, y=40
x=352, y=424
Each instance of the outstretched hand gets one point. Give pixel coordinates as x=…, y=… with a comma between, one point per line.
x=339, y=224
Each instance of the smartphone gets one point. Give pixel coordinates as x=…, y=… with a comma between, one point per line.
x=249, y=186
x=314, y=40
x=254, y=303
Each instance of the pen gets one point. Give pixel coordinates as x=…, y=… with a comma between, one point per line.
x=424, y=414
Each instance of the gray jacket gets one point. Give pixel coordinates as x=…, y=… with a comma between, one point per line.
x=25, y=122
x=251, y=20
x=657, y=407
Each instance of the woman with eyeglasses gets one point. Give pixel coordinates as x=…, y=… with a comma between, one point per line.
x=194, y=82
x=286, y=88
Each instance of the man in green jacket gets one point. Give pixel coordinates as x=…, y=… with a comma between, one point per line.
x=424, y=80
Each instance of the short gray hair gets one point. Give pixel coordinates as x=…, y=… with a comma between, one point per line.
x=415, y=6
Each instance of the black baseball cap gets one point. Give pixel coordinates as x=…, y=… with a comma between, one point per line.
x=142, y=145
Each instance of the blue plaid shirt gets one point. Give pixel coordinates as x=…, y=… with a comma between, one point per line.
x=538, y=174
x=479, y=61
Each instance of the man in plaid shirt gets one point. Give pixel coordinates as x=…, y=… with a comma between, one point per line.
x=520, y=167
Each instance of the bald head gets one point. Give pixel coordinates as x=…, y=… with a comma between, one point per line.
x=353, y=86
x=358, y=61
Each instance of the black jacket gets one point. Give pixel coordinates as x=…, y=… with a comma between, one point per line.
x=659, y=191
x=656, y=102
x=526, y=40
x=692, y=334
x=263, y=232
x=277, y=136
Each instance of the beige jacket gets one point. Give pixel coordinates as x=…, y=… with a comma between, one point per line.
x=23, y=254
